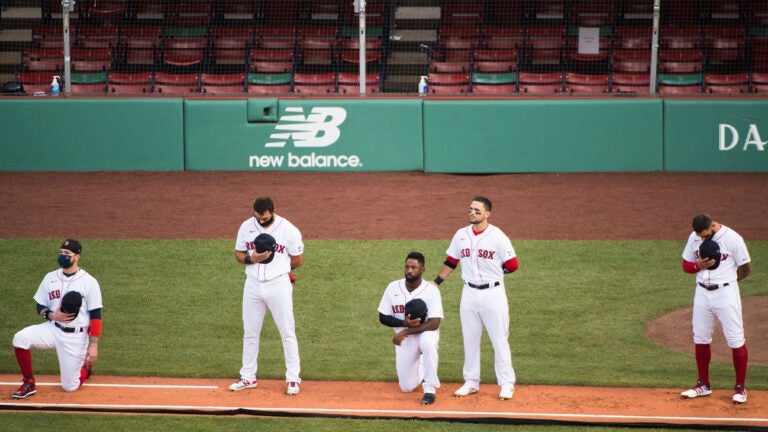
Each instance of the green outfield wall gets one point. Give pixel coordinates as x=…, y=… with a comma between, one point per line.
x=543, y=136
x=716, y=136
x=41, y=134
x=304, y=135
x=377, y=134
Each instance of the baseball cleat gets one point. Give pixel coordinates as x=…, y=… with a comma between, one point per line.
x=739, y=394
x=87, y=370
x=465, y=390
x=292, y=389
x=699, y=390
x=26, y=390
x=242, y=385
x=428, y=399
x=506, y=393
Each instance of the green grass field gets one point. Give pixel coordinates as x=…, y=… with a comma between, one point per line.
x=173, y=308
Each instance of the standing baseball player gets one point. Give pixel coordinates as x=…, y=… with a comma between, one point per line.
x=416, y=342
x=717, y=296
x=73, y=333
x=268, y=286
x=485, y=254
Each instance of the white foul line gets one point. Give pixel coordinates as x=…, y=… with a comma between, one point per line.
x=150, y=386
x=400, y=413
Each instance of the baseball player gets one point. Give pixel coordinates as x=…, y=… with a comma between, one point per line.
x=74, y=336
x=415, y=342
x=485, y=254
x=717, y=296
x=268, y=286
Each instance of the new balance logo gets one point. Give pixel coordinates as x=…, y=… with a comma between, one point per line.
x=318, y=129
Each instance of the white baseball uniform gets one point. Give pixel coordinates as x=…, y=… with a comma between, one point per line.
x=724, y=301
x=484, y=299
x=70, y=340
x=416, y=358
x=268, y=287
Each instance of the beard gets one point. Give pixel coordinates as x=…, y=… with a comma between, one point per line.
x=412, y=278
x=268, y=222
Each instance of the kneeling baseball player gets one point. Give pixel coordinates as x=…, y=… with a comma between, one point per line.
x=69, y=300
x=414, y=309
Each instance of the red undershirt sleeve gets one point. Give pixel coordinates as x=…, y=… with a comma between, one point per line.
x=690, y=267
x=95, y=327
x=511, y=265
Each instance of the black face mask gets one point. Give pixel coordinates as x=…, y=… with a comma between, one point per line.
x=65, y=261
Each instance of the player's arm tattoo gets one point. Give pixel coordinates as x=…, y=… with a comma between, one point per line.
x=743, y=271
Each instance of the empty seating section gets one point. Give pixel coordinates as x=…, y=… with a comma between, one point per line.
x=521, y=47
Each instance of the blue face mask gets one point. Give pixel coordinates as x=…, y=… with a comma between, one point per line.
x=65, y=261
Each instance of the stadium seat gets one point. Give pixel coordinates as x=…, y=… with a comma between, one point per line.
x=140, y=44
x=318, y=52
x=48, y=36
x=98, y=37
x=91, y=59
x=271, y=60
x=276, y=42
x=633, y=37
x=269, y=89
x=448, y=89
x=223, y=79
x=494, y=79
x=448, y=67
x=314, y=89
x=507, y=59
x=259, y=79
x=106, y=11
x=350, y=51
x=269, y=83
x=349, y=82
x=229, y=50
x=129, y=89
x=623, y=82
x=544, y=82
x=586, y=83
x=314, y=83
x=371, y=78
x=176, y=83
x=734, y=83
x=437, y=79
x=355, y=89
x=183, y=52
x=624, y=88
x=494, y=89
x=269, y=67
x=502, y=37
x=679, y=89
x=129, y=82
x=486, y=82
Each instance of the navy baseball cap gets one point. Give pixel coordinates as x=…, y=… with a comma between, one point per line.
x=72, y=245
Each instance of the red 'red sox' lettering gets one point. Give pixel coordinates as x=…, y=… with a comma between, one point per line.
x=481, y=253
x=53, y=295
x=278, y=247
